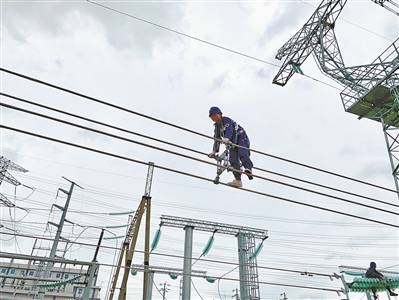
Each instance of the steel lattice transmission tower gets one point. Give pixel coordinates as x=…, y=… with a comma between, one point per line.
x=371, y=91
x=389, y=5
x=5, y=165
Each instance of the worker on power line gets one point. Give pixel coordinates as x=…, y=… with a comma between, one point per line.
x=373, y=273
x=230, y=132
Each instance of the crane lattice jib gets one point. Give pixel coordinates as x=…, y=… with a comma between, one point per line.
x=307, y=39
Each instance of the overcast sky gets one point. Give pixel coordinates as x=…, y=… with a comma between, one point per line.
x=111, y=54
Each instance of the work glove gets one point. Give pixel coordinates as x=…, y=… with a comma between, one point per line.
x=225, y=140
x=212, y=154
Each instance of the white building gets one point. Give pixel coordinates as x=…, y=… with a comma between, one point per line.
x=23, y=281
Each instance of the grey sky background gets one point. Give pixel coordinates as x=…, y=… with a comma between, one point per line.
x=121, y=60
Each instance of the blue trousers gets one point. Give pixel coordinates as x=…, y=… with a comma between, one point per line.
x=240, y=156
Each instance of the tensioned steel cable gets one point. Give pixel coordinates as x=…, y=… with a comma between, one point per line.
x=186, y=148
x=204, y=41
x=192, y=175
x=190, y=157
x=183, y=34
x=188, y=130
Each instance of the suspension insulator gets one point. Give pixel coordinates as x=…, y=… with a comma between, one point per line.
x=210, y=279
x=156, y=239
x=257, y=251
x=208, y=246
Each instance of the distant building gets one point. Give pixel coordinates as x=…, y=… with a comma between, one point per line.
x=22, y=280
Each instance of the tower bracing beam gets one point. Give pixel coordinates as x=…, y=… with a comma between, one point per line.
x=390, y=5
x=228, y=229
x=167, y=270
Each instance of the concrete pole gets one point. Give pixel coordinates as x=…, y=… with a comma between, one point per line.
x=92, y=269
x=150, y=284
x=147, y=246
x=188, y=253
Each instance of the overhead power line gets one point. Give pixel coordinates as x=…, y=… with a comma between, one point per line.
x=201, y=209
x=202, y=259
x=176, y=145
x=193, y=158
x=188, y=130
x=192, y=175
x=183, y=34
x=202, y=40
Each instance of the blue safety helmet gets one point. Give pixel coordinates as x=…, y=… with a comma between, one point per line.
x=214, y=110
x=373, y=264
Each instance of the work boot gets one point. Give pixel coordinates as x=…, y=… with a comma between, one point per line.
x=249, y=174
x=235, y=183
x=392, y=293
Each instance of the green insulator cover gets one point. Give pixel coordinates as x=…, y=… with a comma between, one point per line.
x=362, y=284
x=155, y=241
x=210, y=279
x=208, y=246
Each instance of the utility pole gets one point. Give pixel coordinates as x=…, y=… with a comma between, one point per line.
x=164, y=289
x=129, y=243
x=92, y=271
x=64, y=209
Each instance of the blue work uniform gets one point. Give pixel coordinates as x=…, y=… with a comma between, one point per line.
x=373, y=273
x=229, y=129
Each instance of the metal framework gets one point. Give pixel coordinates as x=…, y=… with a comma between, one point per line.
x=316, y=36
x=389, y=5
x=356, y=271
x=5, y=165
x=248, y=267
x=207, y=226
x=57, y=237
x=129, y=244
x=44, y=282
x=167, y=270
x=371, y=91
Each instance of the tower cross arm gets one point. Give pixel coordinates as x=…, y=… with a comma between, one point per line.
x=307, y=39
x=6, y=164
